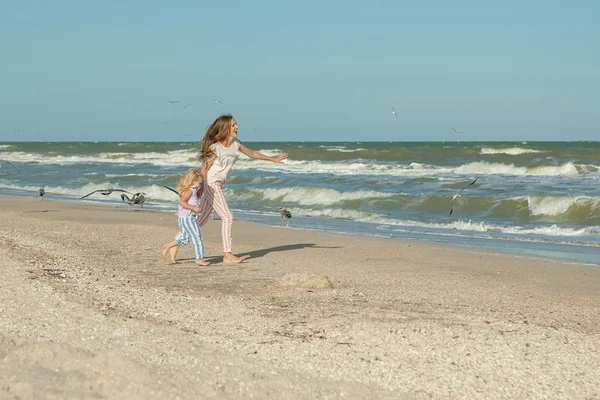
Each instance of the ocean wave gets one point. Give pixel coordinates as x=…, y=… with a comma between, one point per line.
x=559, y=205
x=513, y=151
x=553, y=230
x=341, y=149
x=485, y=168
x=171, y=158
x=309, y=196
x=352, y=168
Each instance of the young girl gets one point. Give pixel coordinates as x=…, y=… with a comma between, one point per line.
x=190, y=190
x=220, y=150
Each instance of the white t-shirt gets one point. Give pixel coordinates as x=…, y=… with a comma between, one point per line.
x=224, y=160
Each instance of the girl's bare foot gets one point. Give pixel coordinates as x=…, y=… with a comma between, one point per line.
x=164, y=250
x=202, y=263
x=229, y=258
x=173, y=253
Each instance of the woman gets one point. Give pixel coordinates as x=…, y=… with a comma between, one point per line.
x=220, y=150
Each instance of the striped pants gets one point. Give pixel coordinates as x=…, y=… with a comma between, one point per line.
x=214, y=199
x=190, y=230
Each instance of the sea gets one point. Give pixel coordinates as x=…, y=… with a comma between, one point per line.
x=530, y=198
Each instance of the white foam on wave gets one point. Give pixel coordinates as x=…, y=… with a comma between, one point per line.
x=557, y=205
x=485, y=168
x=353, y=168
x=5, y=146
x=458, y=225
x=312, y=196
x=513, y=151
x=337, y=213
x=170, y=158
x=344, y=150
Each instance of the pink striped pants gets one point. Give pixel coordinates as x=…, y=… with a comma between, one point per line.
x=214, y=199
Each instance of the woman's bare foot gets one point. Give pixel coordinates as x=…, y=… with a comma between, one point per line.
x=163, y=251
x=229, y=258
x=173, y=253
x=202, y=263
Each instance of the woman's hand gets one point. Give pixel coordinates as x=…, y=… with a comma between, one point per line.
x=278, y=159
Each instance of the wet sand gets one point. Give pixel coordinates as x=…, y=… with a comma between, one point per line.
x=90, y=310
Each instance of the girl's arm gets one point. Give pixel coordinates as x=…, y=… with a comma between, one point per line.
x=205, y=167
x=184, y=201
x=258, y=156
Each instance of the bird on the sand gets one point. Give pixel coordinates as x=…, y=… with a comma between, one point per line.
x=41, y=192
x=394, y=112
x=105, y=192
x=137, y=199
x=457, y=195
x=285, y=216
x=9, y=163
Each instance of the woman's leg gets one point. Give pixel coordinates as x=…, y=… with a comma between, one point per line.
x=206, y=205
x=221, y=207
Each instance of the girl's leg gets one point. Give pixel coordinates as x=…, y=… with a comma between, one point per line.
x=221, y=207
x=206, y=209
x=193, y=230
x=181, y=239
x=166, y=247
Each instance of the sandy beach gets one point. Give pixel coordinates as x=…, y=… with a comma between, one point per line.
x=90, y=310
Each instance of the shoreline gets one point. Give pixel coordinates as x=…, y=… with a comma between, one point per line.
x=517, y=246
x=91, y=310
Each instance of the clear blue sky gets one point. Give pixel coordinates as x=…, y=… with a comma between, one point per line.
x=303, y=70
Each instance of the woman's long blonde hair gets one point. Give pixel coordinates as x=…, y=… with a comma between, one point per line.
x=186, y=180
x=219, y=130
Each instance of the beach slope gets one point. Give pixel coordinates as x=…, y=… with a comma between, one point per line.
x=90, y=310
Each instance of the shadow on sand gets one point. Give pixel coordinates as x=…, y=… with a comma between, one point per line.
x=262, y=252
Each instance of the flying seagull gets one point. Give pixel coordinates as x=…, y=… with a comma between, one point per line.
x=394, y=112
x=172, y=101
x=171, y=189
x=455, y=131
x=186, y=106
x=218, y=102
x=285, y=216
x=8, y=162
x=136, y=199
x=41, y=192
x=457, y=195
x=105, y=192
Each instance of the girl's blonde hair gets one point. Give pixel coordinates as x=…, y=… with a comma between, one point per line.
x=186, y=180
x=217, y=131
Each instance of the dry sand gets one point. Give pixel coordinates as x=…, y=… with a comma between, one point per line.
x=89, y=310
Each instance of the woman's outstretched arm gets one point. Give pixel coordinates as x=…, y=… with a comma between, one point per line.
x=258, y=156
